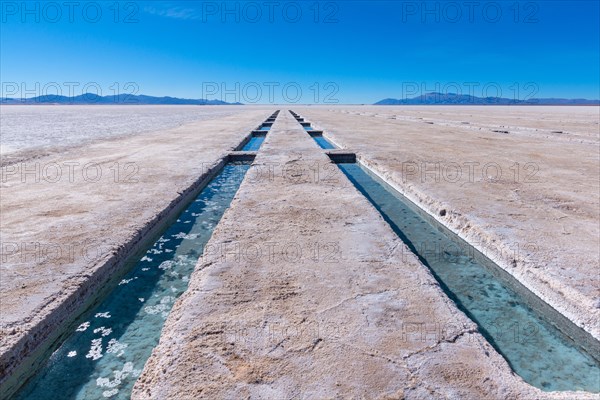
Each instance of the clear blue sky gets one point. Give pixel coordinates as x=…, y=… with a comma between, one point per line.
x=355, y=51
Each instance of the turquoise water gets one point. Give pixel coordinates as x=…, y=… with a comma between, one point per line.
x=110, y=344
x=254, y=143
x=536, y=350
x=308, y=128
x=264, y=128
x=323, y=143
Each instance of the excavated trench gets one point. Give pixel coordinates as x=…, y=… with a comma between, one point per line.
x=101, y=354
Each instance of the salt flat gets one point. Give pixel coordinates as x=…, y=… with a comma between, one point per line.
x=36, y=130
x=519, y=183
x=567, y=123
x=538, y=220
x=66, y=225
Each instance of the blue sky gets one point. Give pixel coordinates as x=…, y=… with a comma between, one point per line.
x=345, y=51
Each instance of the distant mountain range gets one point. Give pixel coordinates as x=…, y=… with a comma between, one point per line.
x=463, y=99
x=122, y=99
x=425, y=99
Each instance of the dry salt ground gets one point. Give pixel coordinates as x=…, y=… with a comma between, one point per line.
x=559, y=213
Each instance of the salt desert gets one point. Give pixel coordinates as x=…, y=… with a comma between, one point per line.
x=33, y=130
x=303, y=289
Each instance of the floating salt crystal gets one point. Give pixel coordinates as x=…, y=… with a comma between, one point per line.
x=166, y=265
x=110, y=393
x=126, y=281
x=83, y=327
x=182, y=235
x=114, y=346
x=102, y=382
x=162, y=308
x=96, y=350
x=104, y=331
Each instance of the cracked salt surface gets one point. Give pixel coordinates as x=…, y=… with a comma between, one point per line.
x=105, y=354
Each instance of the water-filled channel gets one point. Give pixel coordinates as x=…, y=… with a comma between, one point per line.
x=521, y=329
x=254, y=143
x=109, y=345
